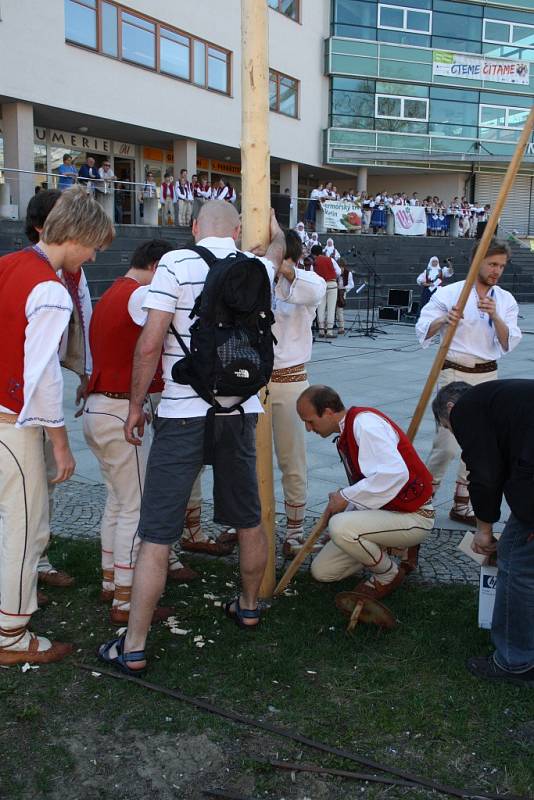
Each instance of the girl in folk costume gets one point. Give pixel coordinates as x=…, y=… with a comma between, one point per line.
x=432, y=278
x=330, y=249
x=74, y=354
x=345, y=283
x=314, y=241
x=329, y=193
x=201, y=193
x=168, y=198
x=366, y=212
x=378, y=215
x=300, y=230
x=35, y=308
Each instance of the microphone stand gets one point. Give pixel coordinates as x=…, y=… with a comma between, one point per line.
x=370, y=330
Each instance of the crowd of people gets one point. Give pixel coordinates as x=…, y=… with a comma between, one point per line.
x=375, y=208
x=142, y=356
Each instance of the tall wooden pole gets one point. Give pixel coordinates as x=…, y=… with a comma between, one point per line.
x=472, y=274
x=255, y=205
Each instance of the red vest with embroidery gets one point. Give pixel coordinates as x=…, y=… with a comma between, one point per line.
x=113, y=336
x=323, y=266
x=20, y=273
x=418, y=488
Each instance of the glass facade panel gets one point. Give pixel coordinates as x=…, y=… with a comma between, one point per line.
x=417, y=21
x=80, y=22
x=174, y=54
x=109, y=29
x=415, y=109
x=457, y=27
x=350, y=12
x=496, y=31
x=353, y=103
x=391, y=17
x=217, y=70
x=496, y=117
x=138, y=41
x=288, y=97
x=406, y=89
x=290, y=8
x=345, y=121
x=388, y=106
x=422, y=4
x=516, y=118
x=453, y=129
x=462, y=45
x=508, y=51
x=273, y=93
x=355, y=31
x=353, y=84
x=460, y=96
x=523, y=36
x=451, y=7
x=402, y=37
x=199, y=63
x=400, y=126
x=499, y=134
x=453, y=112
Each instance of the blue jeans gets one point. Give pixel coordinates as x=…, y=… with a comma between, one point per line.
x=512, y=627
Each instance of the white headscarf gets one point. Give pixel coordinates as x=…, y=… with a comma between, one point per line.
x=314, y=239
x=301, y=232
x=330, y=249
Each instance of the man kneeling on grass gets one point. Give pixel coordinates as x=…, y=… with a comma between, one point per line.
x=387, y=503
x=493, y=425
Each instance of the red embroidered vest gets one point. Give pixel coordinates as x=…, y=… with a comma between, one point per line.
x=418, y=488
x=113, y=336
x=20, y=273
x=323, y=266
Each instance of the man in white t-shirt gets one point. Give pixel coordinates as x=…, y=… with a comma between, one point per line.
x=177, y=453
x=487, y=330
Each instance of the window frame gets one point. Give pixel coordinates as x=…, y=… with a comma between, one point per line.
x=511, y=26
x=405, y=10
x=158, y=26
x=507, y=110
x=278, y=10
x=402, y=98
x=278, y=76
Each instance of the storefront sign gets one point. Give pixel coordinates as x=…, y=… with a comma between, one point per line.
x=225, y=167
x=72, y=141
x=123, y=149
x=203, y=163
x=409, y=220
x=342, y=216
x=456, y=65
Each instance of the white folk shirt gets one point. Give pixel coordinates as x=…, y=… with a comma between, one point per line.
x=383, y=467
x=178, y=281
x=48, y=309
x=350, y=282
x=87, y=311
x=474, y=336
x=294, y=307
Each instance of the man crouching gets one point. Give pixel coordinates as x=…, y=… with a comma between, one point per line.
x=387, y=503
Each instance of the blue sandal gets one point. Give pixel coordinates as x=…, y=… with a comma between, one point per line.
x=238, y=614
x=122, y=659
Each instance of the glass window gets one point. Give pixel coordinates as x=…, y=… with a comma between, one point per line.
x=463, y=45
x=353, y=103
x=80, y=22
x=217, y=70
x=403, y=37
x=199, y=68
x=453, y=129
x=404, y=18
x=138, y=40
x=353, y=84
x=355, y=32
x=400, y=126
x=502, y=116
x=456, y=27
x=496, y=31
x=174, y=52
x=290, y=8
x=410, y=90
x=283, y=94
x=355, y=13
x=452, y=7
x=109, y=29
x=453, y=112
x=346, y=121
x=460, y=96
x=523, y=35
x=410, y=108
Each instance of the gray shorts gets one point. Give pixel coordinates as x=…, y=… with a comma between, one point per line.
x=176, y=459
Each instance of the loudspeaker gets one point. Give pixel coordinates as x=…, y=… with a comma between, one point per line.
x=389, y=313
x=400, y=297
x=280, y=203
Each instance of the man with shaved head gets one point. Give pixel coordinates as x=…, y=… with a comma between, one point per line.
x=176, y=456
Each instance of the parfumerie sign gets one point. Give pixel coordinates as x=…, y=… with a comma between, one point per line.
x=73, y=141
x=456, y=65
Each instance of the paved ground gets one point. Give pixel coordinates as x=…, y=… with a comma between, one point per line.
x=387, y=372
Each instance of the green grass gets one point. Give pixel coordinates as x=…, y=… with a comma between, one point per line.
x=401, y=697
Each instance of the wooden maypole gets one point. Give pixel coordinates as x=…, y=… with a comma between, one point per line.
x=255, y=209
x=491, y=226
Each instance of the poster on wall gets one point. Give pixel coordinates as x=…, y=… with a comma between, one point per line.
x=456, y=65
x=342, y=216
x=409, y=220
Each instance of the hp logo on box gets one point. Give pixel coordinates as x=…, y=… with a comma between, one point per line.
x=489, y=581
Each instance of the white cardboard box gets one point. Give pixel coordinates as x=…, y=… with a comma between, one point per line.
x=486, y=595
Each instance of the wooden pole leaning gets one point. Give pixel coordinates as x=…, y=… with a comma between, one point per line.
x=472, y=274
x=307, y=547
x=255, y=214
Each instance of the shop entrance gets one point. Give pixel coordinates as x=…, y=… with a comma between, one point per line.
x=125, y=194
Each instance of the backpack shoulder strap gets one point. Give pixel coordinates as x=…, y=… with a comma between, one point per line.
x=204, y=253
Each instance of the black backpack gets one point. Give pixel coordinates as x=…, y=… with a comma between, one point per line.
x=231, y=350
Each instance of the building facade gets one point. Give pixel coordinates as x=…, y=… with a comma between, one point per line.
x=431, y=96
x=403, y=95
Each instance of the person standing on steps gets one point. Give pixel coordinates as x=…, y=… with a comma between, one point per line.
x=486, y=331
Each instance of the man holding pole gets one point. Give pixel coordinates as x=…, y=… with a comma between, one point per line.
x=486, y=330
x=387, y=502
x=494, y=427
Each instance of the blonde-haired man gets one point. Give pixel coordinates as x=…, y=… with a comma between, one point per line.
x=35, y=308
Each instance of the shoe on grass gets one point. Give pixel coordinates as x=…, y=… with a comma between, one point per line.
x=486, y=668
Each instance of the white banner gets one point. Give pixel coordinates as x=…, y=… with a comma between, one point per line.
x=456, y=65
x=342, y=215
x=409, y=220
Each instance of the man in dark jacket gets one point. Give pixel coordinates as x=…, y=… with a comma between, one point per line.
x=494, y=425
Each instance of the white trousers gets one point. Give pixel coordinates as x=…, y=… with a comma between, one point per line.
x=290, y=447
x=340, y=318
x=445, y=446
x=359, y=539
x=123, y=468
x=24, y=523
x=327, y=307
x=168, y=210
